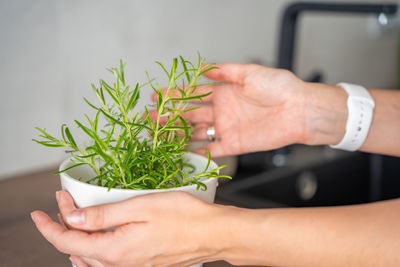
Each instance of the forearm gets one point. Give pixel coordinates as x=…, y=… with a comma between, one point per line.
x=384, y=134
x=326, y=115
x=364, y=235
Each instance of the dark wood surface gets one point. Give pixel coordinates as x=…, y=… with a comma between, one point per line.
x=20, y=242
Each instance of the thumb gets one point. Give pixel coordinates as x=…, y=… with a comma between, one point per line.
x=107, y=215
x=230, y=72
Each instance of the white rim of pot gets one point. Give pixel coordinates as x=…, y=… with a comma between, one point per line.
x=67, y=176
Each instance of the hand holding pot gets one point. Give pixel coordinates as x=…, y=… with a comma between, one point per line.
x=163, y=229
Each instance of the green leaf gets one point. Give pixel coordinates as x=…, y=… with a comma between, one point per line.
x=85, y=129
x=174, y=128
x=47, y=143
x=190, y=109
x=141, y=126
x=150, y=82
x=43, y=131
x=121, y=139
x=199, y=97
x=164, y=69
x=62, y=132
x=182, y=91
x=109, y=134
x=70, y=138
x=90, y=104
x=91, y=134
x=173, y=68
x=185, y=69
x=110, y=92
x=199, y=61
x=99, y=151
x=166, y=158
x=166, y=114
x=121, y=68
x=111, y=118
x=87, y=156
x=96, y=120
x=99, y=95
x=103, y=99
x=71, y=167
x=106, y=85
x=159, y=100
x=186, y=127
x=208, y=160
x=207, y=70
x=134, y=98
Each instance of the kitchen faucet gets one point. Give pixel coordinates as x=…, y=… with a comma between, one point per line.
x=292, y=12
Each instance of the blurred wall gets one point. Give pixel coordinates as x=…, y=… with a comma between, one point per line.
x=52, y=51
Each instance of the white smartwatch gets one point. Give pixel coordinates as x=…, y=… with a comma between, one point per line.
x=360, y=106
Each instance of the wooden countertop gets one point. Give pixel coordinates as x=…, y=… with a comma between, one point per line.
x=20, y=242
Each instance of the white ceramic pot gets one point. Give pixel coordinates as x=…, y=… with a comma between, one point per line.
x=86, y=195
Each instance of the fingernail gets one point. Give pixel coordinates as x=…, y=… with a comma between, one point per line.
x=58, y=196
x=33, y=216
x=76, y=217
x=72, y=260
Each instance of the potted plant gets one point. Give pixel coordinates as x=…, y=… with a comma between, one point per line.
x=135, y=153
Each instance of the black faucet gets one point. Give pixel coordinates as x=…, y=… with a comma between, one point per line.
x=292, y=11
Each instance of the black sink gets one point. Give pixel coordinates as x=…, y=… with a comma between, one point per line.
x=315, y=176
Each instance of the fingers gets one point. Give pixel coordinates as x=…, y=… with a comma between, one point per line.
x=85, y=262
x=67, y=241
x=65, y=204
x=61, y=221
x=108, y=215
x=217, y=149
x=200, y=132
x=78, y=261
x=204, y=115
x=230, y=72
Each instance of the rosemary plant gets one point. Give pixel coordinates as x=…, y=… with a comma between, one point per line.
x=133, y=150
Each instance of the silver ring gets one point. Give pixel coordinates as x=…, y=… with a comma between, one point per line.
x=211, y=133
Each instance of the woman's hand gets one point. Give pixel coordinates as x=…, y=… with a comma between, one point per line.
x=163, y=229
x=257, y=108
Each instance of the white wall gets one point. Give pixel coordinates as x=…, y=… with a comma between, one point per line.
x=52, y=51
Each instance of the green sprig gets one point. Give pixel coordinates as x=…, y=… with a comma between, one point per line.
x=132, y=150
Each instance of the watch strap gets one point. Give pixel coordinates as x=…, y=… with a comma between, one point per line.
x=360, y=106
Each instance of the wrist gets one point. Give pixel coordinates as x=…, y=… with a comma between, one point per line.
x=325, y=114
x=225, y=231
x=238, y=235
